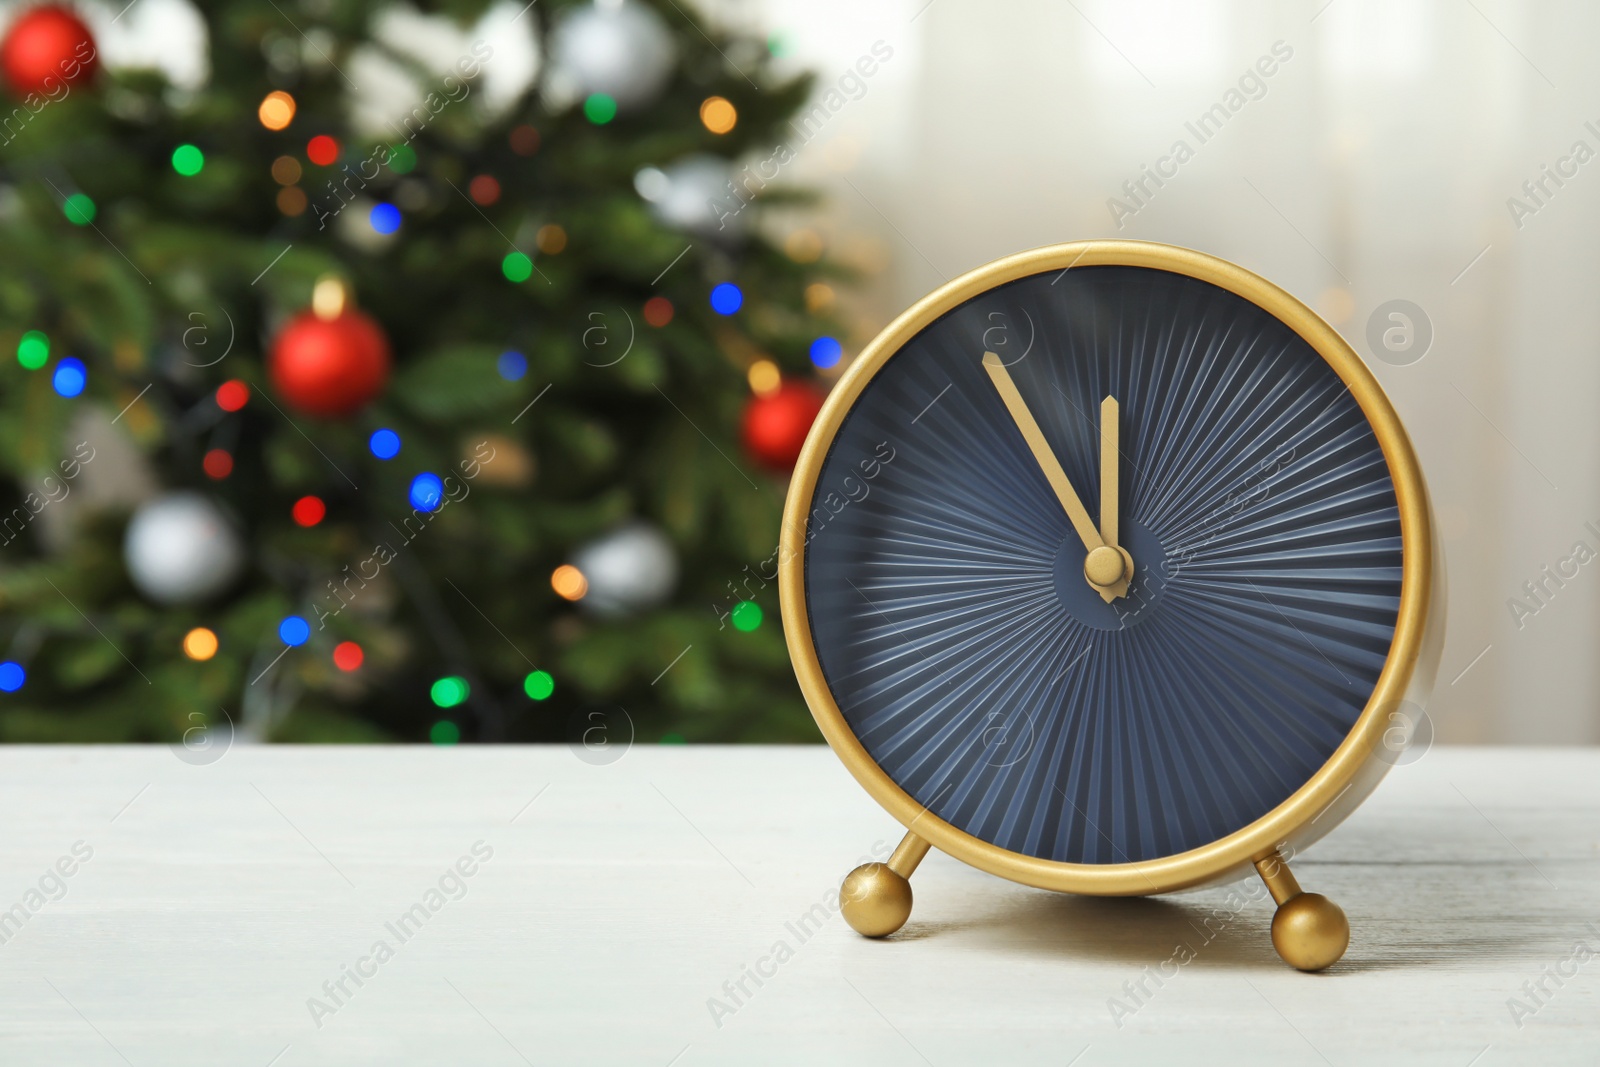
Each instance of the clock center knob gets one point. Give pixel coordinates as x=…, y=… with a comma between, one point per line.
x=1103, y=566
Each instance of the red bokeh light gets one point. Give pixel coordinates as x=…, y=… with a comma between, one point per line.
x=218, y=464
x=347, y=655
x=658, y=311
x=484, y=189
x=524, y=140
x=231, y=396
x=322, y=150
x=309, y=510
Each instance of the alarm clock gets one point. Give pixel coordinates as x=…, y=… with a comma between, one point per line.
x=1108, y=568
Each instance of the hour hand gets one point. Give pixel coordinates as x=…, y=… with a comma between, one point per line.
x=1110, y=473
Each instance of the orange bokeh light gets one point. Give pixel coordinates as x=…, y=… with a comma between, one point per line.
x=569, y=582
x=276, y=111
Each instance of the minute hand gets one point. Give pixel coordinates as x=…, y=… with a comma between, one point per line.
x=1042, y=453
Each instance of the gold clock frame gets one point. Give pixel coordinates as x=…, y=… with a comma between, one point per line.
x=876, y=898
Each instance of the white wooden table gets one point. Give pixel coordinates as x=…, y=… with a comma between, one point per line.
x=619, y=899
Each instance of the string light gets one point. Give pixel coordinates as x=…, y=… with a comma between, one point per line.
x=276, y=110
x=819, y=297
x=746, y=615
x=292, y=201
x=449, y=691
x=764, y=377
x=12, y=676
x=524, y=140
x=294, y=631
x=726, y=298
x=551, y=239
x=402, y=159
x=328, y=297
x=322, y=150
x=803, y=246
x=427, y=492
x=569, y=582
x=826, y=352
x=484, y=189
x=347, y=656
x=286, y=170
x=188, y=160
x=200, y=644
x=718, y=115
x=539, y=685
x=70, y=377
x=308, y=511
x=217, y=464
x=384, y=218
x=78, y=209
x=599, y=109
x=385, y=444
x=516, y=267
x=658, y=311
x=512, y=365
x=232, y=395
x=33, y=351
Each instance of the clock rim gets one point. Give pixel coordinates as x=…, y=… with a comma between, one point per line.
x=1338, y=785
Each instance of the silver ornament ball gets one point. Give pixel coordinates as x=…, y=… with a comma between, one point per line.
x=615, y=47
x=180, y=548
x=629, y=569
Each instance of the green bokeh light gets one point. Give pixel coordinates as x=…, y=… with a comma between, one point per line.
x=78, y=209
x=188, y=160
x=444, y=732
x=778, y=44
x=402, y=159
x=539, y=685
x=516, y=267
x=33, y=351
x=449, y=691
x=672, y=739
x=746, y=615
x=599, y=109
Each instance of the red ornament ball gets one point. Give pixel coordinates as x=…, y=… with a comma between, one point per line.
x=329, y=367
x=45, y=48
x=774, y=426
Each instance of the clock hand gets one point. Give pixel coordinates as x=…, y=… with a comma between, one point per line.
x=1110, y=475
x=1041, y=452
x=1108, y=470
x=1104, y=566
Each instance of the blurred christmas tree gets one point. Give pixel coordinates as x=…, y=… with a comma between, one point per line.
x=352, y=403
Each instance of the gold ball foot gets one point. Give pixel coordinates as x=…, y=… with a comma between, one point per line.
x=1310, y=932
x=875, y=900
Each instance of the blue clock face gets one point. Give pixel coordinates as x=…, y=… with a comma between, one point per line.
x=945, y=579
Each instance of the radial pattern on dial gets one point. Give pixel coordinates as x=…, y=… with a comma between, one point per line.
x=944, y=581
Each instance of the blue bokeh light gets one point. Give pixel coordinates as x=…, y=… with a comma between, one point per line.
x=12, y=676
x=70, y=377
x=826, y=352
x=427, y=492
x=294, y=631
x=512, y=364
x=385, y=444
x=385, y=218
x=726, y=299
